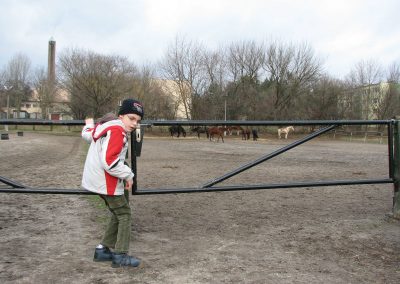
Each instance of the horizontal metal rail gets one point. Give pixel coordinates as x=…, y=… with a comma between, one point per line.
x=208, y=189
x=264, y=186
x=204, y=122
x=47, y=190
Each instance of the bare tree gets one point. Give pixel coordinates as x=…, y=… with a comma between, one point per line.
x=3, y=90
x=389, y=102
x=277, y=66
x=290, y=71
x=214, y=63
x=17, y=77
x=365, y=73
x=245, y=59
x=95, y=82
x=364, y=79
x=210, y=104
x=182, y=63
x=321, y=101
x=158, y=105
x=45, y=90
x=394, y=73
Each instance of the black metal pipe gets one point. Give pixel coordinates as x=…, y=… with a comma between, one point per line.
x=263, y=186
x=47, y=191
x=209, y=189
x=203, y=122
x=390, y=148
x=40, y=122
x=11, y=182
x=268, y=156
x=133, y=161
x=266, y=123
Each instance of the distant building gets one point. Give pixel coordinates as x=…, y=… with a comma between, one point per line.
x=58, y=109
x=364, y=102
x=181, y=96
x=32, y=106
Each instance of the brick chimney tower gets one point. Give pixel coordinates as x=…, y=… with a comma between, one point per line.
x=51, y=68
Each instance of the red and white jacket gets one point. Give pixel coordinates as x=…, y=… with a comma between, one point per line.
x=105, y=170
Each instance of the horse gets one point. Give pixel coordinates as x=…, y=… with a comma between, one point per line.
x=285, y=131
x=233, y=128
x=255, y=134
x=216, y=131
x=246, y=134
x=178, y=129
x=200, y=129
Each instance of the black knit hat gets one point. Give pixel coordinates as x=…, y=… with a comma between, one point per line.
x=131, y=106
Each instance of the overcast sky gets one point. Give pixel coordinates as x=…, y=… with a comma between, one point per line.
x=341, y=32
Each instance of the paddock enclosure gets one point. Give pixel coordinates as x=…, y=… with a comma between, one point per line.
x=308, y=234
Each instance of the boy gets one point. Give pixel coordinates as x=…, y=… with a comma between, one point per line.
x=106, y=174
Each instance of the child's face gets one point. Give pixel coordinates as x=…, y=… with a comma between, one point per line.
x=130, y=121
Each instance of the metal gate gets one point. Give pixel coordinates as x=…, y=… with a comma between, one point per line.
x=392, y=128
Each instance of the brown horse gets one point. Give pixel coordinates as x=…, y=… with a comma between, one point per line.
x=235, y=128
x=219, y=131
x=246, y=134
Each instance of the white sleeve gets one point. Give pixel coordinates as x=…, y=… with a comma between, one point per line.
x=87, y=132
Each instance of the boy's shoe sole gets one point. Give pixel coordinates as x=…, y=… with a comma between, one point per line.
x=101, y=260
x=125, y=266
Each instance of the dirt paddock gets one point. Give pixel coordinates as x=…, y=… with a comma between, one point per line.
x=302, y=235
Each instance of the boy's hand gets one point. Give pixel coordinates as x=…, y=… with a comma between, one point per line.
x=89, y=121
x=128, y=184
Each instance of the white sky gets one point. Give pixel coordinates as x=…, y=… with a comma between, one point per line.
x=341, y=32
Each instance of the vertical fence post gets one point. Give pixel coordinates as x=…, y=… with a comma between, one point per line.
x=133, y=161
x=396, y=169
x=136, y=149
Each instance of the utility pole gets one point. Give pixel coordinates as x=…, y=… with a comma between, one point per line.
x=225, y=108
x=7, y=88
x=8, y=110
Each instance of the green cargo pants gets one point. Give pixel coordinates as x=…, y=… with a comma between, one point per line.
x=118, y=233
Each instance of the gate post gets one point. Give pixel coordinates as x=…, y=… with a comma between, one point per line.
x=136, y=149
x=396, y=169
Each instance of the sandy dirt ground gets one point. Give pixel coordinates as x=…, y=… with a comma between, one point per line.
x=303, y=235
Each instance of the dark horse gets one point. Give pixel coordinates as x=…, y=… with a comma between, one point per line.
x=255, y=134
x=177, y=129
x=200, y=129
x=246, y=134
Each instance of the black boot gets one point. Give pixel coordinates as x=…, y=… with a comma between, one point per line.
x=102, y=254
x=123, y=259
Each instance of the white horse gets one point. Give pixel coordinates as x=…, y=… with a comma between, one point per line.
x=284, y=131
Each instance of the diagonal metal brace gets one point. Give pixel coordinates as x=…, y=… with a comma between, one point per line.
x=11, y=182
x=268, y=156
